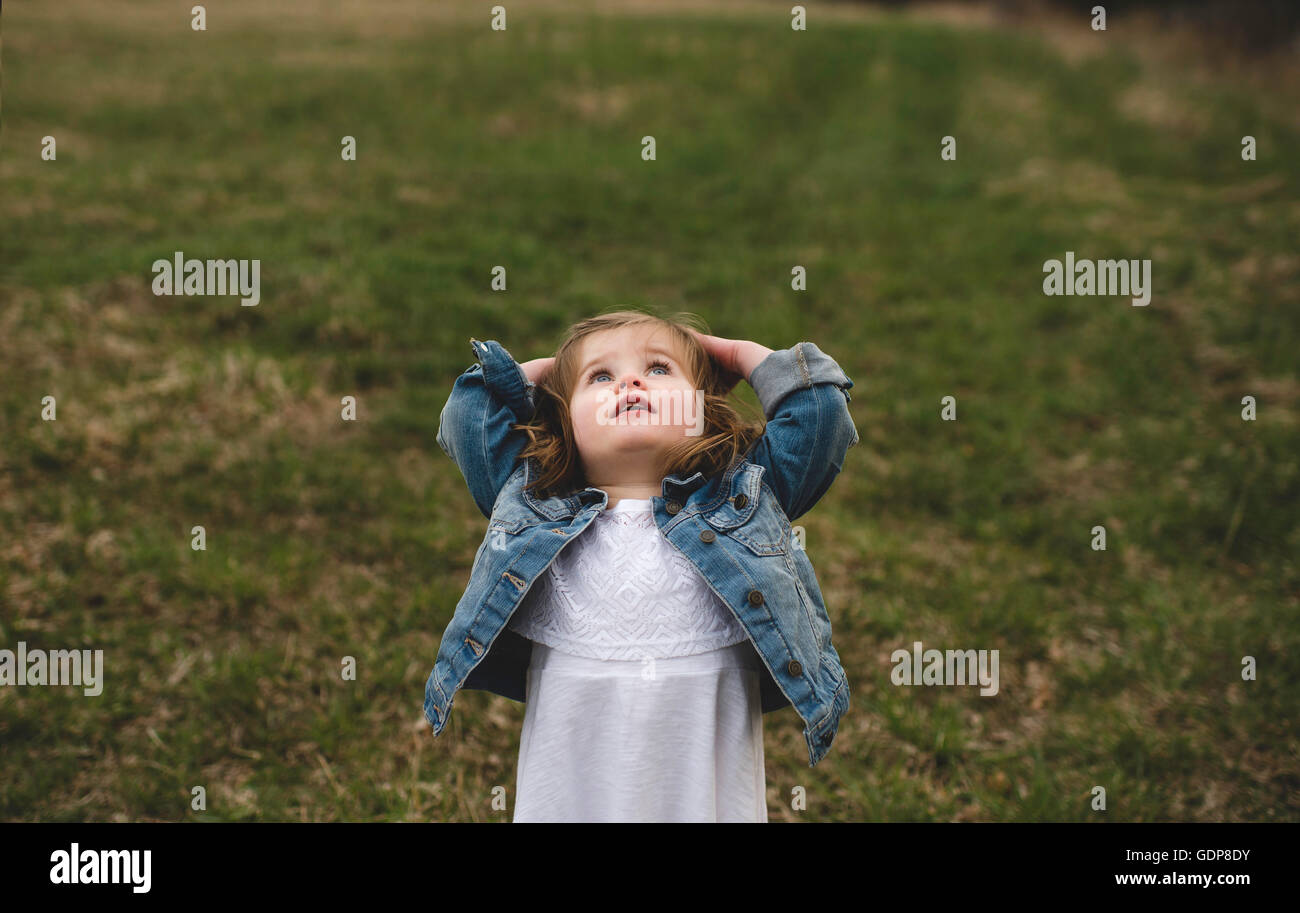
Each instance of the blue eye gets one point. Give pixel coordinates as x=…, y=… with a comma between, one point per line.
x=601, y=372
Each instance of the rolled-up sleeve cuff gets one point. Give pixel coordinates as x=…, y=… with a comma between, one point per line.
x=504, y=376
x=797, y=367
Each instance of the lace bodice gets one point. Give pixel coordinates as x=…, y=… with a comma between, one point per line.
x=620, y=591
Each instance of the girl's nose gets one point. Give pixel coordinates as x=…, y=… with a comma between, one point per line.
x=636, y=381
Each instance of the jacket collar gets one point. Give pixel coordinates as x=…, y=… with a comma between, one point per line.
x=675, y=488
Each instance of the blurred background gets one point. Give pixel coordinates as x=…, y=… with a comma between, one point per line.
x=775, y=148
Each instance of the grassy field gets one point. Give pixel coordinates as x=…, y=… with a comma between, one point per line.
x=1120, y=668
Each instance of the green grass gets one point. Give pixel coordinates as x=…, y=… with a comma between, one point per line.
x=329, y=539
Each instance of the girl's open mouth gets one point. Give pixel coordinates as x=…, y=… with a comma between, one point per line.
x=633, y=402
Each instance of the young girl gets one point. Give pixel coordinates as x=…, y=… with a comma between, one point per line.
x=639, y=573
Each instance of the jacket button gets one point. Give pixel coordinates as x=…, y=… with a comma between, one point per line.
x=794, y=668
x=708, y=536
x=672, y=507
x=755, y=597
x=741, y=501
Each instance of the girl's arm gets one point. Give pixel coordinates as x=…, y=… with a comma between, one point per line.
x=804, y=395
x=737, y=357
x=475, y=428
x=536, y=369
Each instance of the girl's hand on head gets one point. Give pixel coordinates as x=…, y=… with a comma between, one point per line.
x=537, y=369
x=736, y=358
x=723, y=352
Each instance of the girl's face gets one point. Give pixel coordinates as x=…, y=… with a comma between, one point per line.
x=631, y=401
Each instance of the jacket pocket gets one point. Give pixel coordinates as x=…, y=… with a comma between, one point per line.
x=762, y=528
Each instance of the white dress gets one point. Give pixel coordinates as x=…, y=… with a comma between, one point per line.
x=642, y=698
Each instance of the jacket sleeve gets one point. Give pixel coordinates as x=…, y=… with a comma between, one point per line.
x=804, y=395
x=475, y=426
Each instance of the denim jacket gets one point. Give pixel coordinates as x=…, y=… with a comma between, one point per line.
x=734, y=528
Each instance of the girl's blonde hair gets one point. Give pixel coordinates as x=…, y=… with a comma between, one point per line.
x=724, y=439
